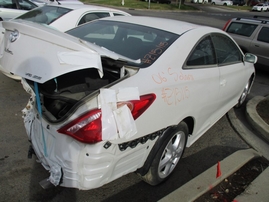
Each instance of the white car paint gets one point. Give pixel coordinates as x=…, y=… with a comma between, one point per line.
x=260, y=7
x=181, y=89
x=222, y=2
x=200, y=1
x=9, y=9
x=65, y=22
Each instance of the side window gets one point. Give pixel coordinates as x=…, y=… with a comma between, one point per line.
x=226, y=50
x=264, y=35
x=25, y=5
x=8, y=4
x=202, y=54
x=92, y=16
x=243, y=29
x=118, y=14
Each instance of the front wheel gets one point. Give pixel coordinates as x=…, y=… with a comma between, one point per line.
x=243, y=96
x=168, y=155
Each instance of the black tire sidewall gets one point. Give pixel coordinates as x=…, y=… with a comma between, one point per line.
x=155, y=163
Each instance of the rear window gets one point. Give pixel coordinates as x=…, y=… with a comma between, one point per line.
x=44, y=14
x=130, y=40
x=243, y=29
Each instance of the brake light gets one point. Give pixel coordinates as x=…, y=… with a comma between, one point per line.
x=88, y=127
x=226, y=25
x=139, y=106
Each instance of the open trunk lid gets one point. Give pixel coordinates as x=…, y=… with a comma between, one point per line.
x=39, y=53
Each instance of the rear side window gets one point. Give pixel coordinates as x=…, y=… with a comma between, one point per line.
x=93, y=16
x=118, y=14
x=264, y=35
x=243, y=29
x=203, y=54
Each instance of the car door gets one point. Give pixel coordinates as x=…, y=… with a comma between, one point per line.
x=260, y=45
x=202, y=65
x=232, y=71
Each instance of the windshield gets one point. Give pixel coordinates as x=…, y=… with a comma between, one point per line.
x=44, y=14
x=130, y=40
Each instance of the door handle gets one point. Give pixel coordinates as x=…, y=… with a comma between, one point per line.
x=223, y=82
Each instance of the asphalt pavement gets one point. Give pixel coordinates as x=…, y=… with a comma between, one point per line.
x=257, y=138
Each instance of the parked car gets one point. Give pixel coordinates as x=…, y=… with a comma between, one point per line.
x=199, y=1
x=260, y=7
x=122, y=94
x=252, y=35
x=12, y=8
x=222, y=2
x=239, y=2
x=64, y=17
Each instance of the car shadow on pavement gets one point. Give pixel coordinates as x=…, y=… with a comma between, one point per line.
x=37, y=193
x=187, y=169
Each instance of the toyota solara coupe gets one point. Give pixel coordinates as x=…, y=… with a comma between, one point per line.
x=122, y=94
x=64, y=17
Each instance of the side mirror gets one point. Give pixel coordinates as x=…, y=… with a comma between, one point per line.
x=249, y=57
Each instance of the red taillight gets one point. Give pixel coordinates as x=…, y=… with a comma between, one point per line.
x=225, y=26
x=88, y=127
x=139, y=106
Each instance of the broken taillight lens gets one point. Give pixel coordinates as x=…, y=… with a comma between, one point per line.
x=88, y=127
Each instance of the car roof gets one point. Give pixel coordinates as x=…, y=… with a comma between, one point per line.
x=254, y=20
x=83, y=6
x=174, y=26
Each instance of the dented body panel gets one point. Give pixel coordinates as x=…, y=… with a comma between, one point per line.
x=87, y=87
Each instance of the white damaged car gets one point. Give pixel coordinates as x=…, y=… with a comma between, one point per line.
x=122, y=94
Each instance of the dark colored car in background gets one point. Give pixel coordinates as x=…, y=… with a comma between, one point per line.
x=239, y=2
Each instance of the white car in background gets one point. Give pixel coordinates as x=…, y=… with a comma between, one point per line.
x=222, y=2
x=12, y=8
x=64, y=17
x=199, y=1
x=122, y=94
x=261, y=7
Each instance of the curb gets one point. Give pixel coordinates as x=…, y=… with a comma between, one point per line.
x=248, y=136
x=207, y=180
x=257, y=190
x=254, y=119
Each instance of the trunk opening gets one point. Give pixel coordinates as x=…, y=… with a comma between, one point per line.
x=60, y=96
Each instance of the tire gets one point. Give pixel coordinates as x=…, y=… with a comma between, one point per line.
x=168, y=156
x=243, y=96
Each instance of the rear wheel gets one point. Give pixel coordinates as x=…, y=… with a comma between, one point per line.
x=168, y=155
